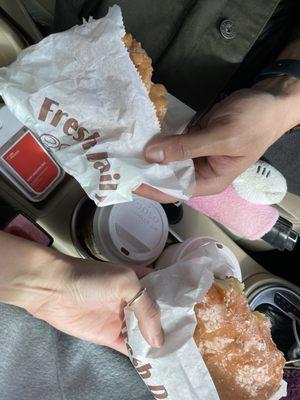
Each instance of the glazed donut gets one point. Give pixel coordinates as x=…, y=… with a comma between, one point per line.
x=236, y=344
x=143, y=64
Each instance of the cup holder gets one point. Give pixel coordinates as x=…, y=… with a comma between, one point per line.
x=84, y=217
x=174, y=213
x=281, y=305
x=80, y=224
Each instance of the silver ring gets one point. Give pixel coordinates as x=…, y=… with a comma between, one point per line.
x=139, y=294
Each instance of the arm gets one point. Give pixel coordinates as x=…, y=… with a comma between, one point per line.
x=29, y=272
x=83, y=298
x=286, y=87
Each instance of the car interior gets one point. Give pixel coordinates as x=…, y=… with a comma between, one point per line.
x=270, y=276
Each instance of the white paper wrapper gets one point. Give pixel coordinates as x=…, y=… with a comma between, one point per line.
x=106, y=115
x=281, y=392
x=177, y=371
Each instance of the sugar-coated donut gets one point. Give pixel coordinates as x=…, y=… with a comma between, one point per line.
x=236, y=344
x=143, y=64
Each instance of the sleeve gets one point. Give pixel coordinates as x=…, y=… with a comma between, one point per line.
x=68, y=13
x=295, y=35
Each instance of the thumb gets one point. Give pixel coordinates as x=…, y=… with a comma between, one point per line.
x=146, y=311
x=195, y=143
x=141, y=271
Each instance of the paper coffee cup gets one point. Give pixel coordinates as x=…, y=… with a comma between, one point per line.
x=132, y=233
x=179, y=251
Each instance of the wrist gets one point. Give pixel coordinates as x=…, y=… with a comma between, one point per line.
x=32, y=284
x=286, y=90
x=291, y=51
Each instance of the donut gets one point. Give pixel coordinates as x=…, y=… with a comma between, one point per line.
x=236, y=344
x=143, y=64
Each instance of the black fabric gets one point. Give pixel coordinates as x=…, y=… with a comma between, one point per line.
x=269, y=44
x=265, y=50
x=68, y=14
x=285, y=156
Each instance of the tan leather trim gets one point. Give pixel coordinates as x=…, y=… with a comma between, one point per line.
x=289, y=208
x=10, y=43
x=18, y=13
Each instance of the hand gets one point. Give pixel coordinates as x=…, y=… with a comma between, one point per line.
x=83, y=298
x=89, y=304
x=232, y=136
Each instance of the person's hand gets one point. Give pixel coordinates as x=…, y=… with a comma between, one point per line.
x=84, y=298
x=231, y=137
x=89, y=300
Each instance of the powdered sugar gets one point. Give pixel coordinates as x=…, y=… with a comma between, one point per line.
x=217, y=344
x=252, y=378
x=254, y=342
x=212, y=317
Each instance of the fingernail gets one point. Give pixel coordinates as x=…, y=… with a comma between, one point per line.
x=155, y=154
x=157, y=340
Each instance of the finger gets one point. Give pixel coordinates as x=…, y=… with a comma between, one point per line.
x=141, y=271
x=147, y=313
x=208, y=182
x=204, y=121
x=197, y=143
x=119, y=345
x=215, y=174
x=154, y=194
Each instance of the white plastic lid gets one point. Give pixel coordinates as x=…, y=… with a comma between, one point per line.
x=191, y=244
x=178, y=251
x=135, y=232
